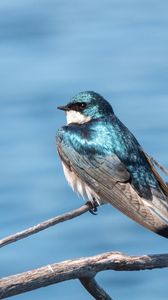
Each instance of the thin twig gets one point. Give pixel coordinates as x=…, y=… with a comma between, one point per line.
x=44, y=225
x=94, y=289
x=155, y=162
x=77, y=269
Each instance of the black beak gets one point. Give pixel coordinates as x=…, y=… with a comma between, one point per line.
x=65, y=108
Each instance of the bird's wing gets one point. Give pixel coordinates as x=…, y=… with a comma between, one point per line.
x=110, y=180
x=163, y=185
x=106, y=170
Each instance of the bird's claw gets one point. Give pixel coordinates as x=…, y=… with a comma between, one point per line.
x=93, y=207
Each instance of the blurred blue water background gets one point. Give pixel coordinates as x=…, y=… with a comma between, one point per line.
x=49, y=51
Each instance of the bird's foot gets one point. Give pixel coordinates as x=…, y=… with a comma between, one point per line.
x=93, y=206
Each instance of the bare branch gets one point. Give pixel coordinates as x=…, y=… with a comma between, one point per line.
x=44, y=225
x=94, y=289
x=84, y=269
x=77, y=269
x=155, y=162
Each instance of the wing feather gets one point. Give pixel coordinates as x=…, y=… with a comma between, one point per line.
x=163, y=185
x=110, y=180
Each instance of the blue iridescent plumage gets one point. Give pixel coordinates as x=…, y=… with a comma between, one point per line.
x=106, y=156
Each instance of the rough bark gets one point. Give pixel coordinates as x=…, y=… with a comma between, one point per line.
x=86, y=267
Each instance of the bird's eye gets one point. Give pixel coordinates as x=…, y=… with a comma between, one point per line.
x=82, y=105
x=78, y=106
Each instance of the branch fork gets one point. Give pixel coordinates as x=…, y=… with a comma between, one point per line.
x=83, y=269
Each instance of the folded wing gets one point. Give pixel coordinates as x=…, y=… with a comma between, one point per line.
x=111, y=181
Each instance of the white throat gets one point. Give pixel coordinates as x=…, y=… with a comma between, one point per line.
x=76, y=117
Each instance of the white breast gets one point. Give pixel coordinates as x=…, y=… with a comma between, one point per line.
x=80, y=187
x=76, y=117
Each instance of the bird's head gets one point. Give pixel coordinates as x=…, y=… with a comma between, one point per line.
x=85, y=107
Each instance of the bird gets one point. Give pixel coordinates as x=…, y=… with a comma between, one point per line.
x=104, y=163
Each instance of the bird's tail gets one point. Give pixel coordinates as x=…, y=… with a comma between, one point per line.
x=152, y=214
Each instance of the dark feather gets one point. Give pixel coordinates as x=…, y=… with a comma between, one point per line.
x=110, y=179
x=163, y=184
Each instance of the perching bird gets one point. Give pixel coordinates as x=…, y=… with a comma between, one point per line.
x=104, y=163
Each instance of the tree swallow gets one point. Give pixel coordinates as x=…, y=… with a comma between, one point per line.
x=104, y=163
